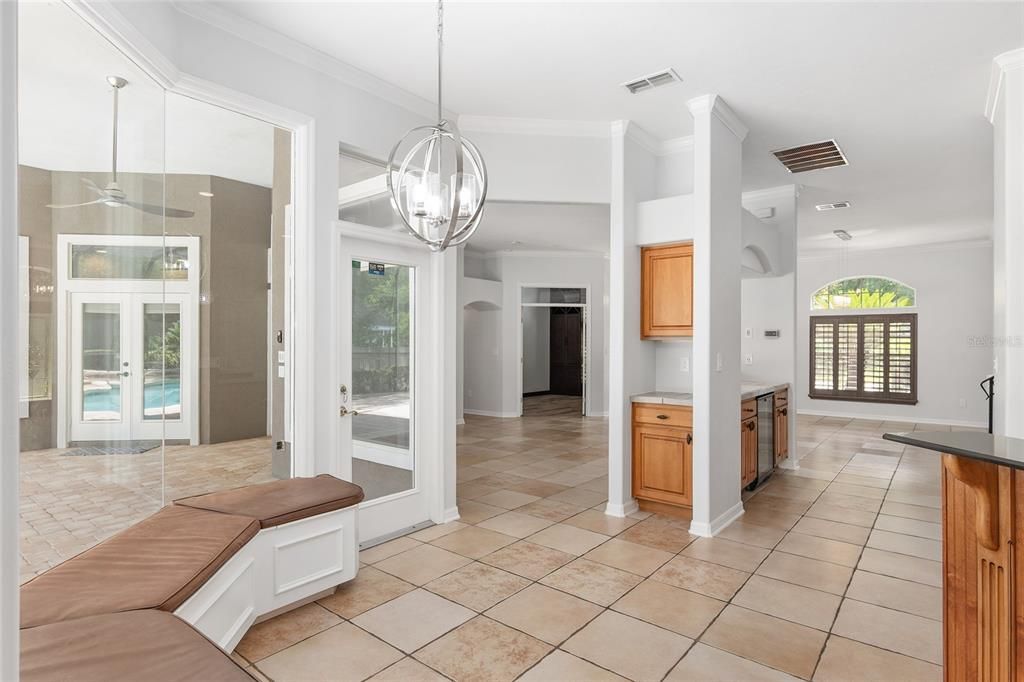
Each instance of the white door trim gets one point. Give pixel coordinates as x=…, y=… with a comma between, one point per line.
x=300, y=348
x=587, y=341
x=427, y=413
x=66, y=286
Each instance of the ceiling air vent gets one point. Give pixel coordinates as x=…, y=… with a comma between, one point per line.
x=843, y=234
x=832, y=207
x=810, y=157
x=654, y=80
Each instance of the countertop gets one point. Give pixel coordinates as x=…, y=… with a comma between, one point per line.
x=974, y=444
x=748, y=390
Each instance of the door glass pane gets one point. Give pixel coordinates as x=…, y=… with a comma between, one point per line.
x=101, y=362
x=382, y=359
x=161, y=344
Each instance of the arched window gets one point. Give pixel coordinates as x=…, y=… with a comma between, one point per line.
x=867, y=292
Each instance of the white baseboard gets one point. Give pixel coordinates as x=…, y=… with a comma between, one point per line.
x=451, y=514
x=717, y=525
x=487, y=413
x=892, y=418
x=460, y=421
x=597, y=414
x=623, y=510
x=790, y=464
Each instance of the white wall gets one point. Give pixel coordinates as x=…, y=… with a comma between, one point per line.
x=538, y=167
x=482, y=360
x=674, y=363
x=954, y=316
x=9, y=450
x=549, y=269
x=767, y=303
x=1006, y=111
x=675, y=171
x=536, y=349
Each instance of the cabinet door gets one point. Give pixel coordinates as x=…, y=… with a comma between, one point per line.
x=781, y=433
x=662, y=464
x=667, y=291
x=748, y=448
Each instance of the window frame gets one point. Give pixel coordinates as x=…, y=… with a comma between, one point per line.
x=860, y=395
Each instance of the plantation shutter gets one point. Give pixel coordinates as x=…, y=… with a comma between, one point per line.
x=864, y=358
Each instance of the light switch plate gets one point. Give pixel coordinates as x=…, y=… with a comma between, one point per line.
x=748, y=359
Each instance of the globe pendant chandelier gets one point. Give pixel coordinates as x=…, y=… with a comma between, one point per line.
x=439, y=187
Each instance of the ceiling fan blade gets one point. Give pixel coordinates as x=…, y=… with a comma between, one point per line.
x=160, y=210
x=86, y=203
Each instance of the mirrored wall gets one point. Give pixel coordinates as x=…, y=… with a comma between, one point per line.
x=151, y=242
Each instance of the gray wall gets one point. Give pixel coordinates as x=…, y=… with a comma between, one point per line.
x=536, y=349
x=281, y=196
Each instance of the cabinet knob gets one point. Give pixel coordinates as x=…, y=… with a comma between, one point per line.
x=662, y=416
x=785, y=411
x=689, y=438
x=751, y=426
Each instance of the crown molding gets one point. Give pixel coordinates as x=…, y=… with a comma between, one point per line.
x=533, y=126
x=643, y=138
x=536, y=254
x=676, y=145
x=912, y=248
x=1007, y=61
x=107, y=20
x=304, y=55
x=716, y=106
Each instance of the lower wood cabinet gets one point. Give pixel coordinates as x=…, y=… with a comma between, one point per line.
x=748, y=451
x=781, y=433
x=663, y=455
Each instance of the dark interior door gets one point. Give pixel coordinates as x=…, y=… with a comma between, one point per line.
x=566, y=351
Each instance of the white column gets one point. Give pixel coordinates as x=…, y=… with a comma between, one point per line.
x=630, y=359
x=445, y=311
x=620, y=495
x=1005, y=109
x=718, y=145
x=9, y=565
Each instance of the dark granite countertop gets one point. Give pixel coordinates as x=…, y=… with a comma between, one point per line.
x=974, y=444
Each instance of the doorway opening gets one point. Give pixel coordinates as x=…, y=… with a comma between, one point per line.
x=554, y=351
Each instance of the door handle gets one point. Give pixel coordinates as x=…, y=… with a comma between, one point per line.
x=345, y=412
x=124, y=374
x=689, y=439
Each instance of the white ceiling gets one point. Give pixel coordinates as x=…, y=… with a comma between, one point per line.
x=901, y=86
x=65, y=110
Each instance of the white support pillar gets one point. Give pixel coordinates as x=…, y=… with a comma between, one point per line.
x=630, y=359
x=445, y=314
x=718, y=146
x=9, y=370
x=620, y=495
x=1005, y=109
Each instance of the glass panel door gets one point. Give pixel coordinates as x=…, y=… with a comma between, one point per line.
x=381, y=368
x=162, y=345
x=99, y=368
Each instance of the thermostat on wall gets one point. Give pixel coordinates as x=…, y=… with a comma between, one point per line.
x=771, y=333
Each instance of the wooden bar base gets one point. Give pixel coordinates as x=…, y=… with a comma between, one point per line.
x=983, y=533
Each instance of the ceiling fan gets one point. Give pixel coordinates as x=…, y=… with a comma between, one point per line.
x=112, y=195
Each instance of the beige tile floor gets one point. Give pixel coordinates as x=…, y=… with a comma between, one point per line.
x=68, y=504
x=831, y=574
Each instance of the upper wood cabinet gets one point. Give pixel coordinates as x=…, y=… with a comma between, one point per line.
x=666, y=291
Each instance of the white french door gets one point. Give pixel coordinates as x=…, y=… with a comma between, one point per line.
x=383, y=368
x=128, y=352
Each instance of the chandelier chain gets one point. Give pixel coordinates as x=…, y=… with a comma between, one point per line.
x=440, y=45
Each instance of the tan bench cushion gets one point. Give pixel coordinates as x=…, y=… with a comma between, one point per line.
x=157, y=563
x=280, y=502
x=154, y=646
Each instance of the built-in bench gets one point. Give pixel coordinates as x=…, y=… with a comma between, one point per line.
x=217, y=562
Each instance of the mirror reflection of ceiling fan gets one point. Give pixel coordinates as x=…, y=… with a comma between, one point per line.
x=112, y=195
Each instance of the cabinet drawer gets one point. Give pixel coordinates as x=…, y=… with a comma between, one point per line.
x=662, y=415
x=782, y=398
x=748, y=409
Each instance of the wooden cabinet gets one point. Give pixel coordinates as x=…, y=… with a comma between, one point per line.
x=982, y=516
x=748, y=451
x=663, y=454
x=666, y=291
x=781, y=426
